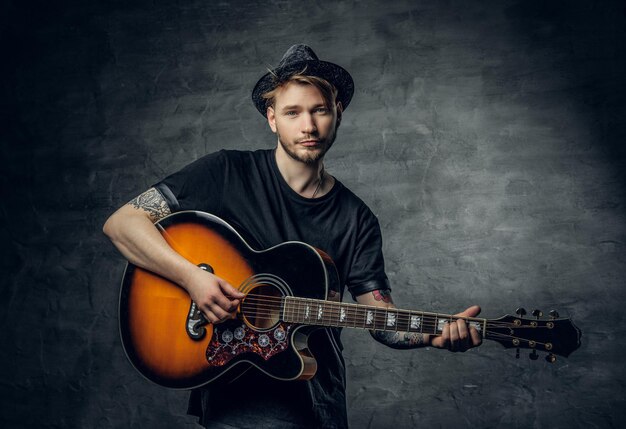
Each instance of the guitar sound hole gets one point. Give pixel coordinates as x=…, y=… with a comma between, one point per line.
x=261, y=307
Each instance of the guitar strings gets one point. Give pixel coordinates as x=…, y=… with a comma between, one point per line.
x=489, y=334
x=272, y=313
x=259, y=305
x=275, y=304
x=349, y=319
x=334, y=309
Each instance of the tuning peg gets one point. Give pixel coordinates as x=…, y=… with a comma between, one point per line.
x=554, y=314
x=520, y=311
x=537, y=313
x=551, y=358
x=533, y=355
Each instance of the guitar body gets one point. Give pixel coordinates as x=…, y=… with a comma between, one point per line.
x=167, y=339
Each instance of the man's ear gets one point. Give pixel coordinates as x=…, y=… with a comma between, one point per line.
x=271, y=118
x=339, y=113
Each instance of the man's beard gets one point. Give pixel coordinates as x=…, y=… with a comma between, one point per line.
x=315, y=156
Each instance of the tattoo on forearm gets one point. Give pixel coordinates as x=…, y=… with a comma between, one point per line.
x=399, y=340
x=152, y=202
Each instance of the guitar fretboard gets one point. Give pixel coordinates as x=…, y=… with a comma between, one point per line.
x=339, y=314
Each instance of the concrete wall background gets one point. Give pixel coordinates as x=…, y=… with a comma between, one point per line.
x=487, y=136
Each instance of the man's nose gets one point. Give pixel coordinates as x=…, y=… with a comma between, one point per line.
x=308, y=124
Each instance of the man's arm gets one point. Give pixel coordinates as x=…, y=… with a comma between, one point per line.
x=455, y=337
x=132, y=231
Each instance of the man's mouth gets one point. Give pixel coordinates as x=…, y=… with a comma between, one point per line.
x=309, y=143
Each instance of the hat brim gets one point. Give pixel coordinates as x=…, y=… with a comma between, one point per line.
x=333, y=73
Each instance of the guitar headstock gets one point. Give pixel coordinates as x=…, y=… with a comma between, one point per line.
x=554, y=335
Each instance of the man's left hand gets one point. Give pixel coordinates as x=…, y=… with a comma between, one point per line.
x=458, y=336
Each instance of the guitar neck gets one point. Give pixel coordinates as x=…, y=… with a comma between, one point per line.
x=318, y=312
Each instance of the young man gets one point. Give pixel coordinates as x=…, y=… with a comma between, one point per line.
x=275, y=196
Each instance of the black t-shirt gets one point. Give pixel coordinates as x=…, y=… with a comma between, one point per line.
x=247, y=190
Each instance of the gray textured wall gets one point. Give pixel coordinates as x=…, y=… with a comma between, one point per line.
x=487, y=136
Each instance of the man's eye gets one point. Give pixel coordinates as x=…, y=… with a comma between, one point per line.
x=322, y=110
x=291, y=113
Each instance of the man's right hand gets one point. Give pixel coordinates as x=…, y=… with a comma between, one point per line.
x=214, y=296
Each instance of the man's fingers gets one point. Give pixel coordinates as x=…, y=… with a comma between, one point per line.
x=229, y=290
x=454, y=336
x=217, y=299
x=445, y=336
x=472, y=311
x=476, y=337
x=219, y=312
x=216, y=315
x=454, y=332
x=221, y=301
x=463, y=335
x=458, y=335
x=211, y=317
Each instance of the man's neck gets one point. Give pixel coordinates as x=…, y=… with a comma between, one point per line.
x=308, y=180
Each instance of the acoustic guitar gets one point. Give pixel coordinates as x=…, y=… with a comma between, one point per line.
x=290, y=290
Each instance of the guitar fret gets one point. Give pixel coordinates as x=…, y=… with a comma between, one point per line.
x=349, y=320
x=403, y=321
x=351, y=315
x=390, y=319
x=286, y=308
x=305, y=310
x=296, y=310
x=340, y=314
x=332, y=313
x=333, y=316
x=372, y=313
x=327, y=315
x=378, y=320
x=415, y=322
x=430, y=324
x=383, y=319
x=329, y=309
x=359, y=317
x=440, y=324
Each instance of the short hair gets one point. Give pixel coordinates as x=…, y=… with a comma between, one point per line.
x=327, y=89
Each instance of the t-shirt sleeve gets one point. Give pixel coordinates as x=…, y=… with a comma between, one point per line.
x=198, y=186
x=367, y=272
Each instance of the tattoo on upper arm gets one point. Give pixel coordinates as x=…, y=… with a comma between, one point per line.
x=153, y=203
x=399, y=340
x=383, y=295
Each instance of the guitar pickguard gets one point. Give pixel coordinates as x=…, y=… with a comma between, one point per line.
x=233, y=338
